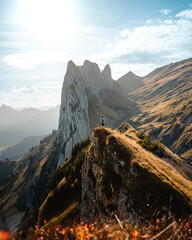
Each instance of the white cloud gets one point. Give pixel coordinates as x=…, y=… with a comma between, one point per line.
x=165, y=11
x=187, y=14
x=149, y=21
x=159, y=43
x=86, y=41
x=38, y=95
x=28, y=60
x=125, y=33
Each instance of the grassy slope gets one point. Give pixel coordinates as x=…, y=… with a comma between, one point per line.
x=64, y=197
x=157, y=166
x=166, y=104
x=125, y=138
x=154, y=164
x=17, y=176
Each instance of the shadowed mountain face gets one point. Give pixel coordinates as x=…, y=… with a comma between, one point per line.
x=166, y=103
x=130, y=82
x=17, y=125
x=18, y=150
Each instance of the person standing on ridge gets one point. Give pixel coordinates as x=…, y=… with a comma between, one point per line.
x=102, y=121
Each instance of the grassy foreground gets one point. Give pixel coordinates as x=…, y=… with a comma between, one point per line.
x=161, y=229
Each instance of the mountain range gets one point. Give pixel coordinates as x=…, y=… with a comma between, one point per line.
x=123, y=170
x=15, y=125
x=17, y=151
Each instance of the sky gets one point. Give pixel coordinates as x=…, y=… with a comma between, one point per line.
x=39, y=37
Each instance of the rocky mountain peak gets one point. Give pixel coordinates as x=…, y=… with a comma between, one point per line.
x=80, y=82
x=87, y=64
x=5, y=107
x=107, y=72
x=70, y=66
x=130, y=73
x=130, y=82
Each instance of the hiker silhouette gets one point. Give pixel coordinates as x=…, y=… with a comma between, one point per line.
x=102, y=121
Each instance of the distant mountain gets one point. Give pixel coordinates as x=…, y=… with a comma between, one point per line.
x=130, y=82
x=17, y=125
x=166, y=105
x=18, y=150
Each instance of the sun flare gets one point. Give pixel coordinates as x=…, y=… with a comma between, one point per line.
x=48, y=20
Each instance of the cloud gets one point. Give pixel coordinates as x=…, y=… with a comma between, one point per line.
x=149, y=21
x=165, y=11
x=86, y=41
x=161, y=42
x=38, y=95
x=125, y=33
x=29, y=60
x=187, y=14
x=141, y=49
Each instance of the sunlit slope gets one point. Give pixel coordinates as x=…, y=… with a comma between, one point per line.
x=166, y=103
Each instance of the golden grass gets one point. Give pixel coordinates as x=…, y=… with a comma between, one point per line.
x=62, y=216
x=187, y=154
x=156, y=165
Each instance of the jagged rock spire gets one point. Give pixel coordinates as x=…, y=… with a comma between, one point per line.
x=80, y=82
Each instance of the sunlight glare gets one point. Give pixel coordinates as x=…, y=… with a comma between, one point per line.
x=48, y=20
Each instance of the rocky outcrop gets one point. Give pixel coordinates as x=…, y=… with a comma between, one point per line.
x=119, y=177
x=87, y=94
x=114, y=175
x=74, y=120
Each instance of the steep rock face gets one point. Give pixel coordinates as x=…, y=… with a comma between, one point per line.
x=74, y=119
x=87, y=94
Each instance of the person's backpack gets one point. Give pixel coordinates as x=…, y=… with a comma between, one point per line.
x=102, y=120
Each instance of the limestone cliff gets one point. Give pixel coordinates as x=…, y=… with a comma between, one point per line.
x=87, y=94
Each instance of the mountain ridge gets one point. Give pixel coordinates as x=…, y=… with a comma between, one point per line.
x=166, y=106
x=130, y=82
x=18, y=150
x=15, y=125
x=102, y=169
